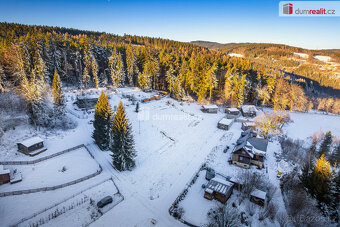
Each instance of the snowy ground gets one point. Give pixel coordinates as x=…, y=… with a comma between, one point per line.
x=79, y=210
x=50, y=172
x=305, y=125
x=172, y=141
x=301, y=55
x=322, y=58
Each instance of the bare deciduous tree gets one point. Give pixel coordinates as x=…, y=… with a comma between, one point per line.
x=223, y=216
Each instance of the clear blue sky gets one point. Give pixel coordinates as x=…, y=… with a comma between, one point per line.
x=220, y=21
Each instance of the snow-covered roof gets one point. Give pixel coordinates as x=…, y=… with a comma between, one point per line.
x=219, y=185
x=249, y=123
x=31, y=141
x=210, y=107
x=233, y=109
x=226, y=121
x=248, y=108
x=4, y=171
x=209, y=190
x=259, y=194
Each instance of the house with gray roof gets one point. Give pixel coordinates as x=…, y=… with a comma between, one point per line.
x=249, y=150
x=218, y=188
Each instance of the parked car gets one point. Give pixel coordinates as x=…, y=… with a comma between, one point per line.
x=104, y=201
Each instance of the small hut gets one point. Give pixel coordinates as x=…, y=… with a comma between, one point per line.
x=225, y=123
x=32, y=146
x=219, y=189
x=258, y=197
x=248, y=110
x=4, y=175
x=248, y=125
x=232, y=113
x=210, y=108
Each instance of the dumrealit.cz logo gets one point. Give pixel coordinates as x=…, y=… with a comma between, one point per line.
x=288, y=8
x=309, y=8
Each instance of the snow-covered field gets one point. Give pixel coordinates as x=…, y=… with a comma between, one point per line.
x=322, y=58
x=172, y=141
x=79, y=210
x=55, y=171
x=301, y=55
x=235, y=55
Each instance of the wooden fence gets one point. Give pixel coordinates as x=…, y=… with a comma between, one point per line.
x=43, y=158
x=27, y=191
x=68, y=198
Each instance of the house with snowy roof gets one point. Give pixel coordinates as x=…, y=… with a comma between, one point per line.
x=219, y=189
x=31, y=146
x=225, y=123
x=232, y=112
x=248, y=110
x=258, y=197
x=210, y=108
x=249, y=150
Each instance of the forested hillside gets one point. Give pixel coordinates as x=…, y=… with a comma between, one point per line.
x=32, y=54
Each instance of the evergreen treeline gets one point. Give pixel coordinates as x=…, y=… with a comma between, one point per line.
x=93, y=59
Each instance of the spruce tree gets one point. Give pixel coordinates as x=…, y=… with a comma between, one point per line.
x=58, y=96
x=326, y=144
x=116, y=69
x=2, y=77
x=102, y=122
x=123, y=151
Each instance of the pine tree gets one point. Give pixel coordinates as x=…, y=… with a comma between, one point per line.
x=2, y=76
x=326, y=144
x=123, y=151
x=102, y=122
x=116, y=69
x=86, y=77
x=58, y=96
x=131, y=66
x=335, y=156
x=320, y=179
x=94, y=69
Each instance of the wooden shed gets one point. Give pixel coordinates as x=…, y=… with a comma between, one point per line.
x=225, y=123
x=210, y=108
x=248, y=125
x=4, y=175
x=219, y=189
x=258, y=197
x=232, y=112
x=32, y=146
x=248, y=110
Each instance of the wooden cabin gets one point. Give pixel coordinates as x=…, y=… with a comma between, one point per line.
x=209, y=108
x=248, y=125
x=32, y=146
x=258, y=197
x=4, y=175
x=248, y=110
x=225, y=123
x=86, y=103
x=232, y=113
x=219, y=189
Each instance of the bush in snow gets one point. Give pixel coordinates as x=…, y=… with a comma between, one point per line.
x=223, y=215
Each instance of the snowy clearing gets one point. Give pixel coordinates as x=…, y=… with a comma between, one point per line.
x=80, y=210
x=322, y=58
x=55, y=171
x=301, y=55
